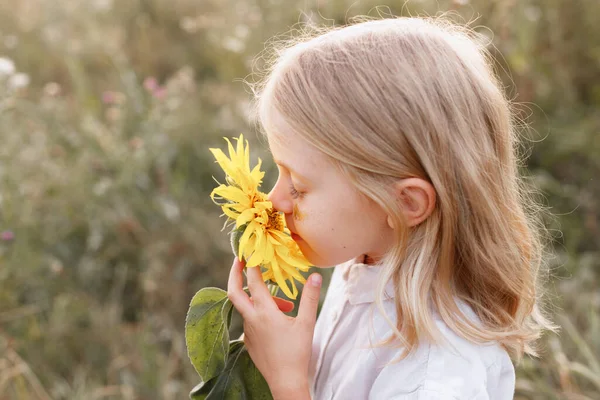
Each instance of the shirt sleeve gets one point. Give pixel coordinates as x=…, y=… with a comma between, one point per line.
x=446, y=375
x=390, y=385
x=501, y=379
x=420, y=394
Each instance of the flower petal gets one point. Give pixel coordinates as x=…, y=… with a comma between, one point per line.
x=268, y=274
x=280, y=279
x=245, y=236
x=245, y=217
x=254, y=260
x=269, y=251
x=225, y=163
x=229, y=212
x=257, y=174
x=234, y=194
x=294, y=289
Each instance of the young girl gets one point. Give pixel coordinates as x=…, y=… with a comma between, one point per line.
x=396, y=154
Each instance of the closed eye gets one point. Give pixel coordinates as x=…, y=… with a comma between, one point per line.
x=293, y=192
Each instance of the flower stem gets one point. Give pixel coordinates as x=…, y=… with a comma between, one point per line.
x=273, y=289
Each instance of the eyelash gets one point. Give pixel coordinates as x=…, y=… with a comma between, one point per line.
x=293, y=192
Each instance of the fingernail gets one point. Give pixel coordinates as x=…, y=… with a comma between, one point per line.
x=316, y=280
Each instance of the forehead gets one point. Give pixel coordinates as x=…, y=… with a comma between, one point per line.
x=289, y=147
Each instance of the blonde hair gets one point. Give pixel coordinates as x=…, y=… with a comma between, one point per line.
x=417, y=97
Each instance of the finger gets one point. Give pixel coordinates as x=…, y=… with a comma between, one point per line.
x=258, y=289
x=235, y=291
x=283, y=305
x=309, y=303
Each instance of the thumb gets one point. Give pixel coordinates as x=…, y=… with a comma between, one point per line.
x=307, y=311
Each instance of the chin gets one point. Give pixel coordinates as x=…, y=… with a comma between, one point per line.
x=312, y=258
x=316, y=261
x=322, y=266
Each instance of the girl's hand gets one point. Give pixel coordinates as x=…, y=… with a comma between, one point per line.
x=283, y=304
x=279, y=345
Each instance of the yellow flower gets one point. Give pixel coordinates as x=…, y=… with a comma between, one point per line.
x=265, y=239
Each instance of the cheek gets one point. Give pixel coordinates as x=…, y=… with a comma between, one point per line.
x=311, y=220
x=320, y=218
x=298, y=215
x=331, y=233
x=325, y=229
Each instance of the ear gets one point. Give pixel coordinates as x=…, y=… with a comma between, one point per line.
x=416, y=197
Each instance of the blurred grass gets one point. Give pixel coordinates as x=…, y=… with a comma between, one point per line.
x=106, y=226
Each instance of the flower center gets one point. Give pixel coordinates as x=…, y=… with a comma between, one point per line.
x=275, y=220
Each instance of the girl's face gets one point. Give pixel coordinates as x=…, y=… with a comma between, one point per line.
x=330, y=220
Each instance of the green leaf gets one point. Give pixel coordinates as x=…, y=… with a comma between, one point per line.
x=240, y=380
x=207, y=331
x=235, y=237
x=201, y=390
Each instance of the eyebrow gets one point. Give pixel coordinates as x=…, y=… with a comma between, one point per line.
x=302, y=177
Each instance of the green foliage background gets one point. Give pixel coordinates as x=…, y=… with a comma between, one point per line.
x=104, y=178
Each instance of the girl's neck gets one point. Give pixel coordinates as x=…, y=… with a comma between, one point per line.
x=368, y=259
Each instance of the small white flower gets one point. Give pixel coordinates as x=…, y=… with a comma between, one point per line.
x=242, y=31
x=7, y=66
x=18, y=81
x=102, y=186
x=189, y=24
x=233, y=44
x=103, y=5
x=170, y=209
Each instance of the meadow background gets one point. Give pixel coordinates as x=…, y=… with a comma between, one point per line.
x=107, y=110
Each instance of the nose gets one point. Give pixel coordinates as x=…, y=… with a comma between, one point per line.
x=280, y=199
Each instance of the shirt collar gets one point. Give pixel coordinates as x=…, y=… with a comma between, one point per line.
x=360, y=281
x=360, y=285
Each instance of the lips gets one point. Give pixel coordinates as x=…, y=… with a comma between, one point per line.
x=296, y=237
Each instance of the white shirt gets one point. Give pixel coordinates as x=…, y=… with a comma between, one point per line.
x=343, y=367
